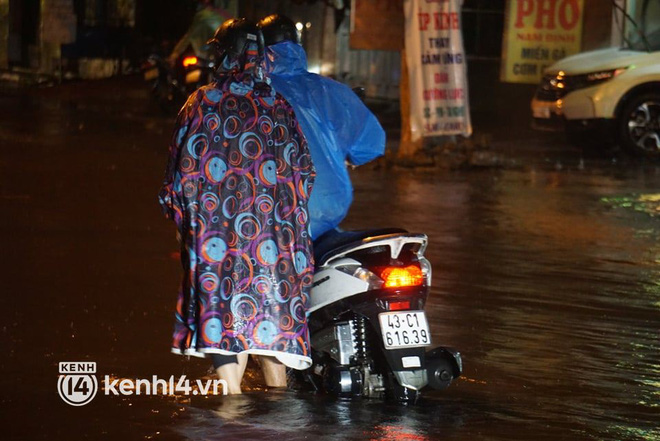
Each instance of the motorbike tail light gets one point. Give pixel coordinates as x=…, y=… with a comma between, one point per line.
x=189, y=61
x=367, y=276
x=425, y=265
x=398, y=306
x=396, y=277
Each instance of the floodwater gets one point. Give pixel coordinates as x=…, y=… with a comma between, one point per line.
x=546, y=276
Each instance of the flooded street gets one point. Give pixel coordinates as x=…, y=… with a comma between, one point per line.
x=551, y=295
x=546, y=276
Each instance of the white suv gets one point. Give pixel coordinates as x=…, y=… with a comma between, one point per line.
x=615, y=91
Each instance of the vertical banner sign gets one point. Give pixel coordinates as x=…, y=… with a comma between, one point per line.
x=437, y=68
x=537, y=33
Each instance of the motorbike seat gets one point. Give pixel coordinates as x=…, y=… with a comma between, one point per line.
x=332, y=240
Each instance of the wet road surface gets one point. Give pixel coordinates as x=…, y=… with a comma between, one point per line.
x=546, y=276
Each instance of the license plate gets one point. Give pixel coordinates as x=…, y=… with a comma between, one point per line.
x=404, y=329
x=541, y=112
x=151, y=74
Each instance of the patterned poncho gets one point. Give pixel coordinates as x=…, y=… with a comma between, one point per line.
x=237, y=184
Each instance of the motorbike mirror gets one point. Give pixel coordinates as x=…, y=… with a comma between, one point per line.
x=361, y=92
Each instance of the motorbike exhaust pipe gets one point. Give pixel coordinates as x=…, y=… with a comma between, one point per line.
x=343, y=381
x=443, y=365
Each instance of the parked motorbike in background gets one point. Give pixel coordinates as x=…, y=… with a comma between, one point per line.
x=172, y=84
x=369, y=331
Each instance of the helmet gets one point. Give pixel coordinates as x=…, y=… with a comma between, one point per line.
x=277, y=28
x=234, y=36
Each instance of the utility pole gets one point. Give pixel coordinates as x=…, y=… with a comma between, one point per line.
x=407, y=147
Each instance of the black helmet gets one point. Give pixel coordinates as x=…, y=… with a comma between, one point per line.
x=277, y=28
x=233, y=37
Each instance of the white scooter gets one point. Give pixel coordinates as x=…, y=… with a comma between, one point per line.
x=368, y=327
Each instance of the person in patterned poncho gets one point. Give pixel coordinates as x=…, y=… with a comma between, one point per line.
x=237, y=184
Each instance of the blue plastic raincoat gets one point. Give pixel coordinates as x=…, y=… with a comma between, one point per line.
x=337, y=125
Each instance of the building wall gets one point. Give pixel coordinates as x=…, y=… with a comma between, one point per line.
x=32, y=35
x=58, y=27
x=4, y=34
x=597, y=25
x=106, y=42
x=379, y=72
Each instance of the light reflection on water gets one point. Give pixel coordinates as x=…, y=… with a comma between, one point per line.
x=550, y=293
x=547, y=285
x=293, y=416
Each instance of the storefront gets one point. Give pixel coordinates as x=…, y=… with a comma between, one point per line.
x=37, y=34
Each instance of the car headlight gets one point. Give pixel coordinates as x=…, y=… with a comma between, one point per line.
x=556, y=86
x=599, y=77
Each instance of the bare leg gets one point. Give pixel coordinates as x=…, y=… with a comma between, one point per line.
x=274, y=371
x=242, y=363
x=230, y=373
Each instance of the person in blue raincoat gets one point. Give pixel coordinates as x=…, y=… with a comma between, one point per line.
x=337, y=125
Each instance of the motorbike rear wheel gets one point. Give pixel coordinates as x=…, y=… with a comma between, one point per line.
x=167, y=97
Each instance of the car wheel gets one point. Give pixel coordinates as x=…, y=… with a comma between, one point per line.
x=639, y=126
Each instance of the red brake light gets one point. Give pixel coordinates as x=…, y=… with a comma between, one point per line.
x=395, y=277
x=398, y=306
x=189, y=61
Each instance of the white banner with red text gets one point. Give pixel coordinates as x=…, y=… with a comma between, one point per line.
x=437, y=67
